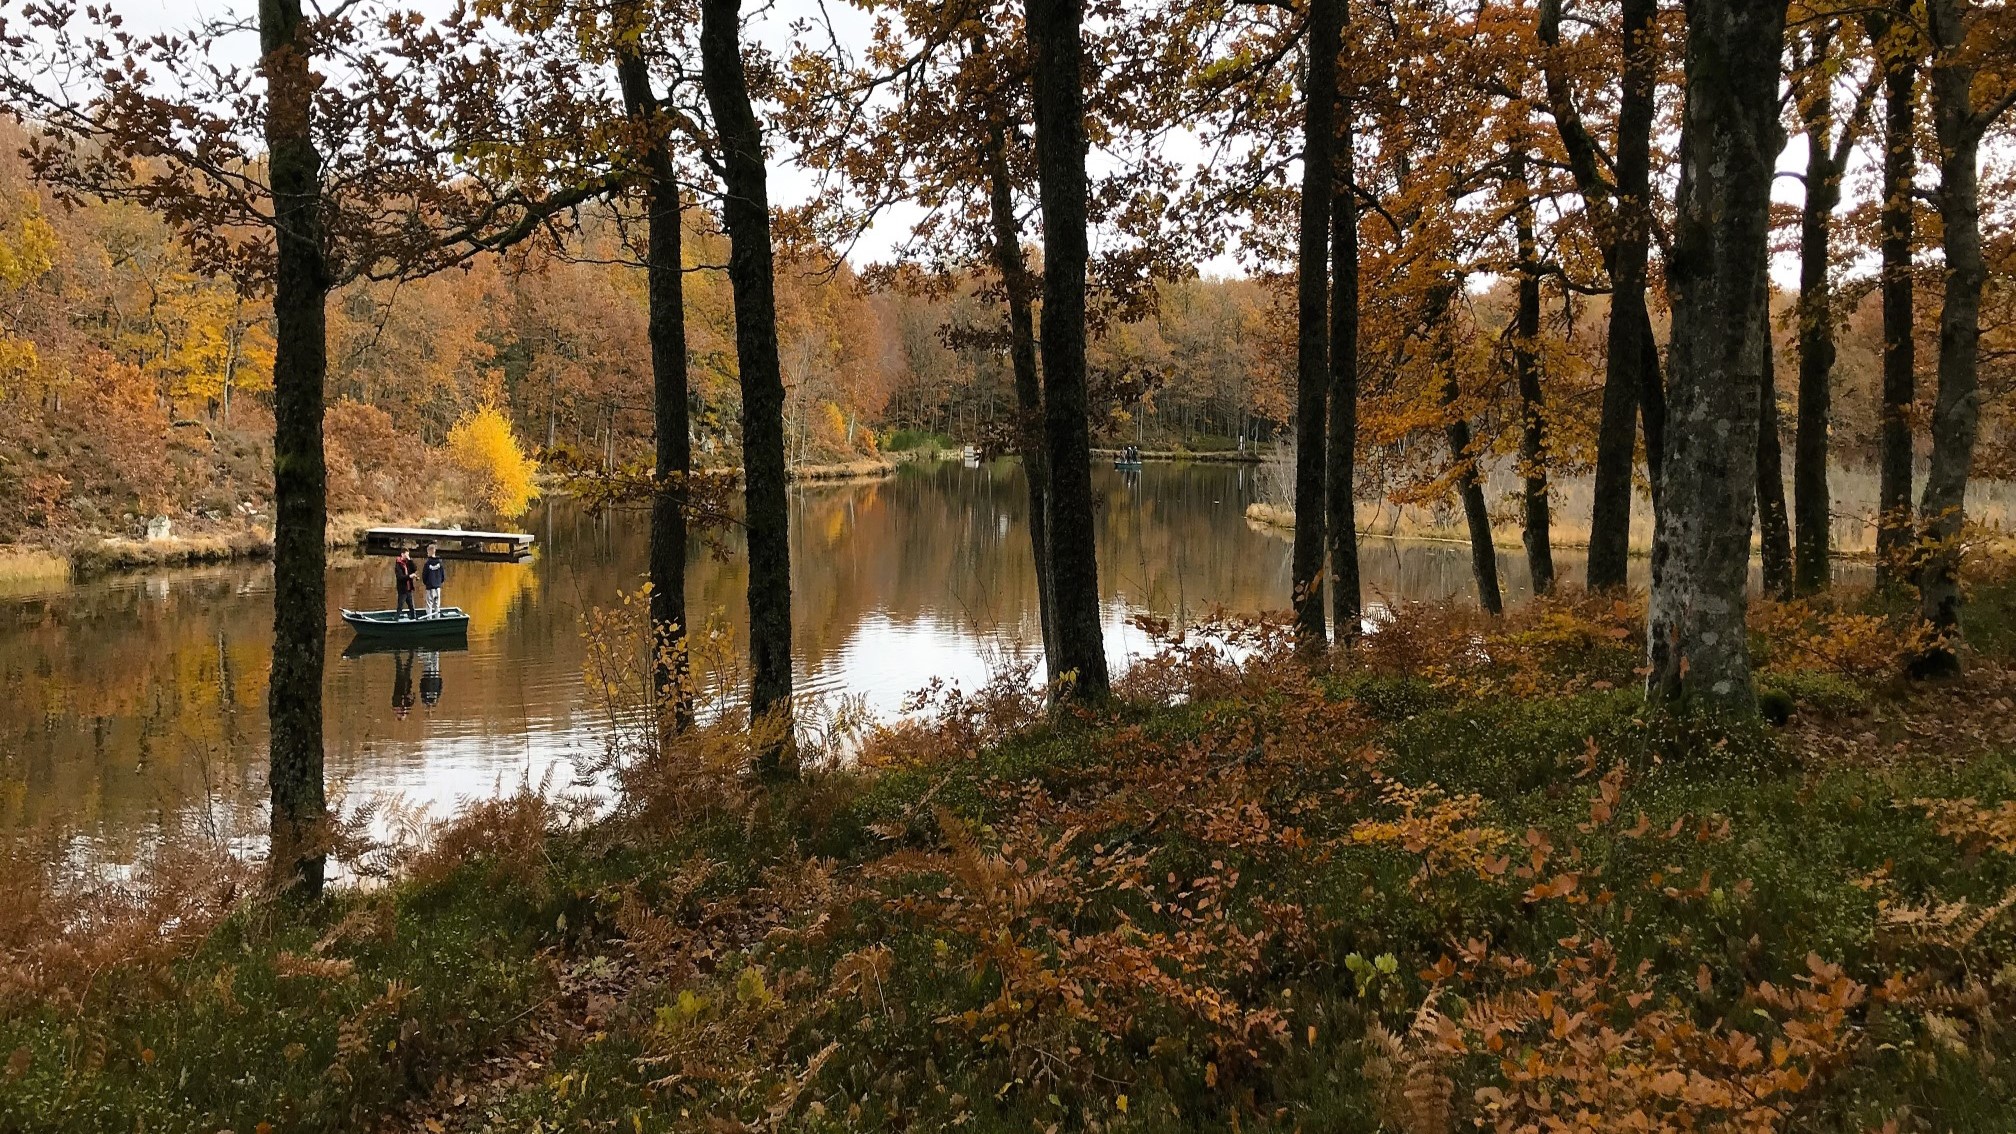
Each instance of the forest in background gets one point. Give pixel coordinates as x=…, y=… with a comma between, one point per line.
x=137, y=385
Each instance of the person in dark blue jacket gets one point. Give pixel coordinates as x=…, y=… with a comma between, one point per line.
x=432, y=575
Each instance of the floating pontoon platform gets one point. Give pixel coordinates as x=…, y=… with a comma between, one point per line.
x=487, y=547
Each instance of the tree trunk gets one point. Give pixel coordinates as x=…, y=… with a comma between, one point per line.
x=1028, y=385
x=300, y=520
x=1526, y=370
x=1312, y=338
x=745, y=211
x=1811, y=506
x=1456, y=429
x=1698, y=644
x=1341, y=521
x=1057, y=83
x=1470, y=488
x=1631, y=384
x=1900, y=352
x=666, y=329
x=1774, y=531
x=1956, y=414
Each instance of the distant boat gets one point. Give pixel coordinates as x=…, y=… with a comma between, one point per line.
x=453, y=621
x=1125, y=465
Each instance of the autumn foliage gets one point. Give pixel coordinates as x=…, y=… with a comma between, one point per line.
x=1467, y=873
x=498, y=475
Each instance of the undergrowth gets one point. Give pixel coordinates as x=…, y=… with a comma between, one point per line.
x=1466, y=878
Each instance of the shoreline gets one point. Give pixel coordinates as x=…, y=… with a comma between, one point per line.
x=70, y=557
x=873, y=468
x=1282, y=521
x=60, y=558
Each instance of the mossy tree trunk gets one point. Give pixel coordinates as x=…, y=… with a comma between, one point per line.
x=1956, y=412
x=1730, y=136
x=1900, y=351
x=301, y=285
x=1312, y=315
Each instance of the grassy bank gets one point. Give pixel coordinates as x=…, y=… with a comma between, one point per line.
x=25, y=569
x=1465, y=877
x=867, y=468
x=97, y=555
x=82, y=555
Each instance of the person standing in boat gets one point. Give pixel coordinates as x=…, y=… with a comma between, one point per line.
x=402, y=580
x=433, y=574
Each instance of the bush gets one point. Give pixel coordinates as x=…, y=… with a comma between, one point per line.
x=485, y=450
x=903, y=440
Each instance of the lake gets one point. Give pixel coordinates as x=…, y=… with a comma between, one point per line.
x=137, y=702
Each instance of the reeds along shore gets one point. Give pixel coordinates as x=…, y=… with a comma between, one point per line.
x=1990, y=503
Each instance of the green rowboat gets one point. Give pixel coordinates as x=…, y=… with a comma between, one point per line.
x=452, y=620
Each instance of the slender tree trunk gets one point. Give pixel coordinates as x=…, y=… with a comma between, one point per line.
x=1057, y=82
x=1028, y=385
x=745, y=210
x=1312, y=319
x=1456, y=429
x=666, y=329
x=236, y=336
x=1470, y=488
x=1774, y=531
x=300, y=521
x=1956, y=413
x=1730, y=136
x=1631, y=385
x=1341, y=522
x=1812, y=507
x=1900, y=361
x=1526, y=370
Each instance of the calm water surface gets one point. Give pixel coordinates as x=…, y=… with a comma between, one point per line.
x=138, y=702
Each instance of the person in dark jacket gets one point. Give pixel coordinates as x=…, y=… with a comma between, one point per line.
x=402, y=580
x=432, y=575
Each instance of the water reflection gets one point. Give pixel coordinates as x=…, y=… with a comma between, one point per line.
x=130, y=701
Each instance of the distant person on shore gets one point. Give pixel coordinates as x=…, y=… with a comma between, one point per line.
x=432, y=575
x=402, y=579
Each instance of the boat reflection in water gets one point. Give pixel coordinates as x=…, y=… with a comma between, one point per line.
x=405, y=655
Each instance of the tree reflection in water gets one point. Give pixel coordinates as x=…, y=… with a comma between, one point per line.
x=130, y=700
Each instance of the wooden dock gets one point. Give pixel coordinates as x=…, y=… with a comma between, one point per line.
x=484, y=547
